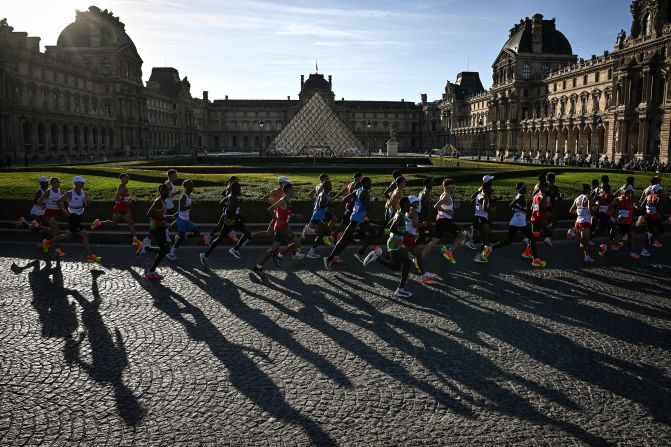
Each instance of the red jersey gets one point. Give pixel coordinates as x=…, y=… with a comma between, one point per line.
x=124, y=195
x=539, y=208
x=350, y=205
x=604, y=200
x=156, y=218
x=282, y=218
x=625, y=213
x=652, y=207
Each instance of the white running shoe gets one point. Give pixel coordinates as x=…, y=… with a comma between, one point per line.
x=645, y=252
x=371, y=257
x=203, y=259
x=479, y=258
x=402, y=293
x=327, y=263
x=147, y=242
x=470, y=244
x=172, y=256
x=234, y=252
x=312, y=254
x=548, y=241
x=359, y=257
x=309, y=231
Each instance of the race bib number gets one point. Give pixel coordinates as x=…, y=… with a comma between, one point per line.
x=623, y=214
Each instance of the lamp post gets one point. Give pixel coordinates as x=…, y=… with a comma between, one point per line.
x=261, y=124
x=368, y=135
x=144, y=139
x=482, y=139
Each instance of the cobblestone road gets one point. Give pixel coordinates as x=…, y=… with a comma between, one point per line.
x=494, y=354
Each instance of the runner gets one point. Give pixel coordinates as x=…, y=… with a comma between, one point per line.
x=53, y=210
x=539, y=213
x=349, y=205
x=273, y=197
x=310, y=228
x=481, y=218
x=358, y=223
x=623, y=206
x=170, y=200
x=398, y=252
x=581, y=207
x=392, y=206
x=157, y=231
x=410, y=239
x=553, y=196
x=604, y=221
x=519, y=223
x=282, y=233
x=120, y=211
x=653, y=218
x=629, y=181
x=38, y=222
x=445, y=224
x=184, y=224
x=318, y=188
x=318, y=221
x=224, y=194
x=232, y=222
x=392, y=186
x=78, y=201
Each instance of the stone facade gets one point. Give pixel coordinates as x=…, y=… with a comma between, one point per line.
x=545, y=102
x=84, y=99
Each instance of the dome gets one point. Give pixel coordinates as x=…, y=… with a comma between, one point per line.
x=552, y=40
x=316, y=81
x=95, y=28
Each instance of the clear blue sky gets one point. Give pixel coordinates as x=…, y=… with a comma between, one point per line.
x=383, y=50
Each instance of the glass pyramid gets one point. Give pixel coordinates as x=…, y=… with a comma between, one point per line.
x=317, y=130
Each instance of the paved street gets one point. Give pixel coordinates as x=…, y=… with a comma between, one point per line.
x=494, y=354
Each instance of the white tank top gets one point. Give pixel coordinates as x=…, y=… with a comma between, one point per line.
x=480, y=206
x=584, y=214
x=53, y=198
x=168, y=200
x=519, y=218
x=185, y=215
x=409, y=226
x=76, y=202
x=37, y=209
x=445, y=211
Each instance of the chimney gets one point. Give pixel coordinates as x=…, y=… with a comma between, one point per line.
x=330, y=82
x=424, y=98
x=288, y=98
x=537, y=34
x=226, y=98
x=302, y=81
x=205, y=95
x=402, y=100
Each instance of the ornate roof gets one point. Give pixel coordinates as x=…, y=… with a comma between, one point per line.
x=95, y=28
x=316, y=81
x=553, y=41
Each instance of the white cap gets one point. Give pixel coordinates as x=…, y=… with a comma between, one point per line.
x=487, y=178
x=657, y=188
x=413, y=199
x=283, y=179
x=629, y=188
x=79, y=179
x=42, y=179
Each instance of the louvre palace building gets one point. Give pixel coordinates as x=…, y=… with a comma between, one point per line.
x=84, y=98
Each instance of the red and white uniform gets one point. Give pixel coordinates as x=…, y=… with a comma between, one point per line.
x=539, y=208
x=584, y=219
x=625, y=213
x=282, y=216
x=121, y=206
x=52, y=209
x=651, y=208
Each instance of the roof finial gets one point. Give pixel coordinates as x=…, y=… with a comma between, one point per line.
x=316, y=67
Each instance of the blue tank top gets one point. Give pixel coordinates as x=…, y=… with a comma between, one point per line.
x=320, y=213
x=359, y=211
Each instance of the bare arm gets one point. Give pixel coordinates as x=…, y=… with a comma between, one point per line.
x=61, y=202
x=44, y=197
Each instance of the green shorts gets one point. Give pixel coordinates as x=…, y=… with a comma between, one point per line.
x=283, y=236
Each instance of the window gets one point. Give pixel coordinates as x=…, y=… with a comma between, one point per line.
x=574, y=83
x=545, y=70
x=584, y=80
x=610, y=74
x=526, y=72
x=526, y=92
x=563, y=84
x=245, y=125
x=647, y=24
x=278, y=125
x=106, y=65
x=597, y=75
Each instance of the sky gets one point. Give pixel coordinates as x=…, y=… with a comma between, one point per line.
x=375, y=49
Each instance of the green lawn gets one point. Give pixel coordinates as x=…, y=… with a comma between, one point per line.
x=103, y=179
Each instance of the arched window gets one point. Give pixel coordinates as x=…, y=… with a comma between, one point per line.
x=647, y=24
x=546, y=70
x=526, y=71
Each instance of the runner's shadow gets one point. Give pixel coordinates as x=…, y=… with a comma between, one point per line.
x=108, y=357
x=263, y=324
x=245, y=375
x=50, y=300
